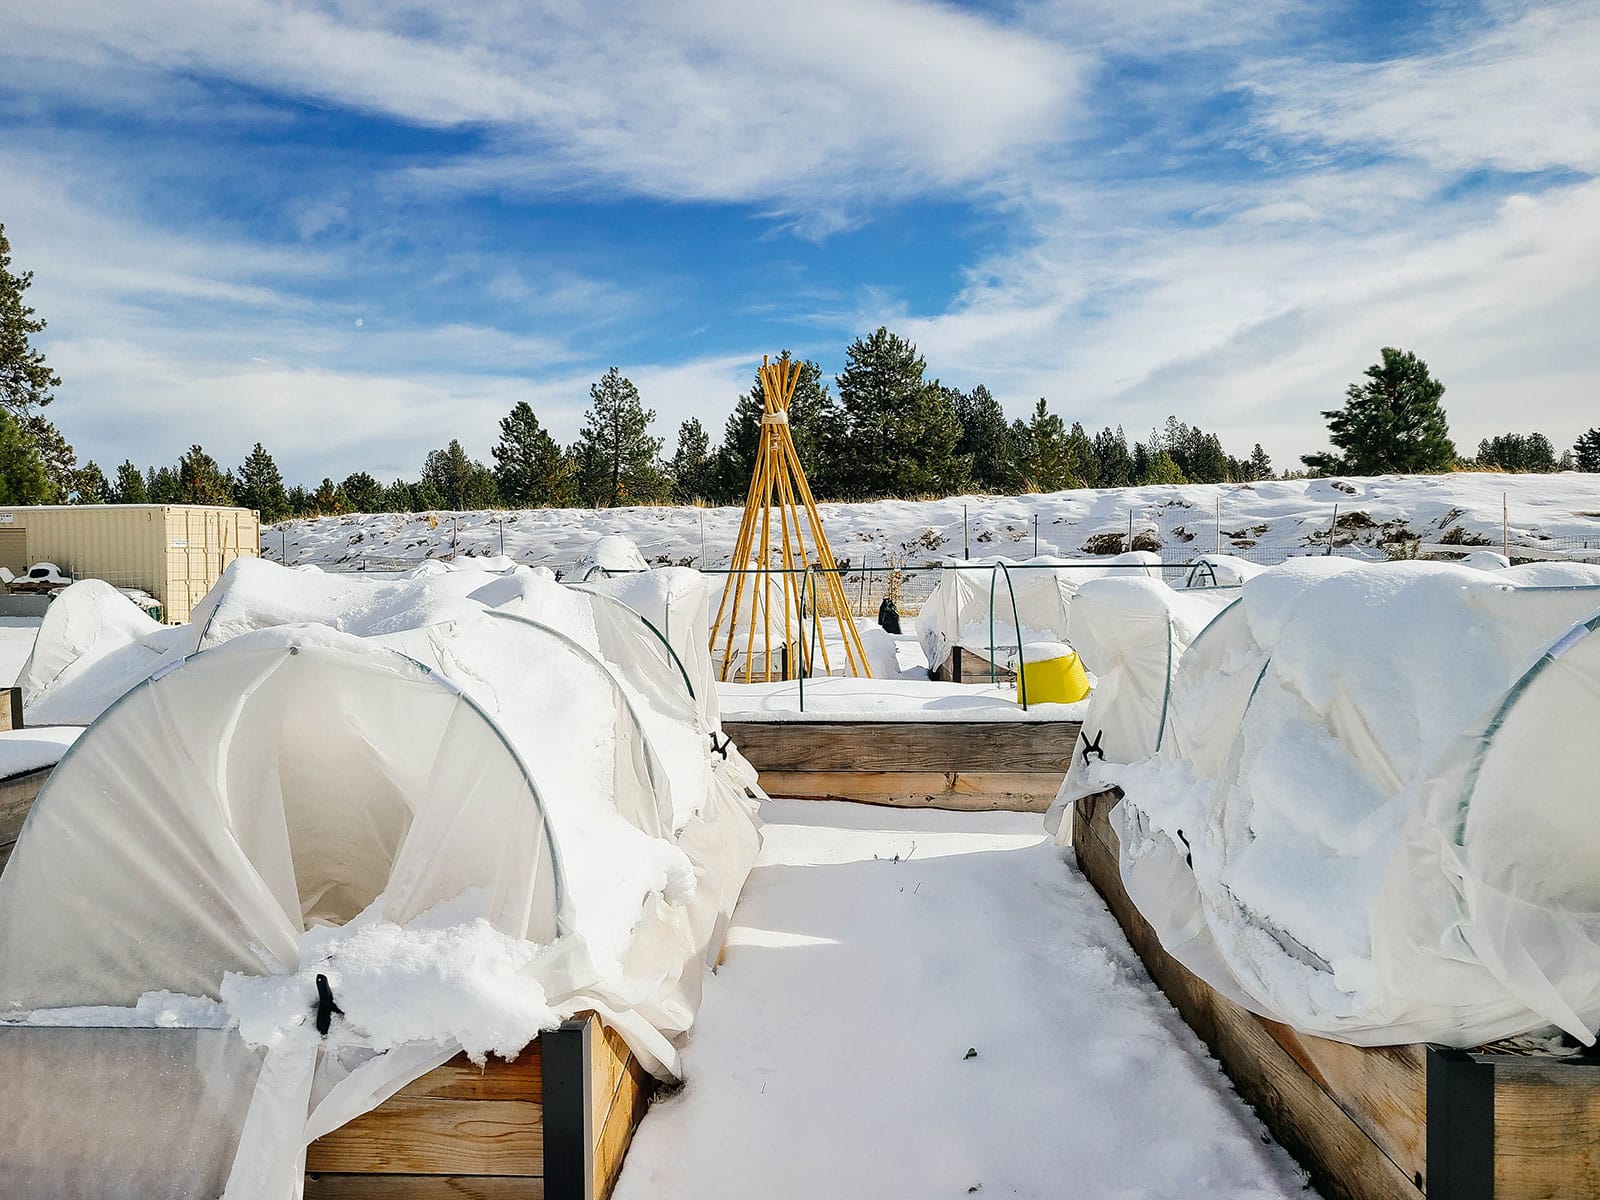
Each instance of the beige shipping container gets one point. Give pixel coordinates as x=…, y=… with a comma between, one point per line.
x=173, y=551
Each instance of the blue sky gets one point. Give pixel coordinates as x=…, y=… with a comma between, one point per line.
x=352, y=230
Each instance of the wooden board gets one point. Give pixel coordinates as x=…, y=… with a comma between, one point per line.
x=917, y=746
x=10, y=708
x=1546, y=1128
x=972, y=791
x=475, y=1133
x=1341, y=1110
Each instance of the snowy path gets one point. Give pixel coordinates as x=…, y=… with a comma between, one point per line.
x=830, y=1058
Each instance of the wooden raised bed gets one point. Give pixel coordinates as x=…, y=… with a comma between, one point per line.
x=553, y=1125
x=1385, y=1122
x=971, y=666
x=971, y=765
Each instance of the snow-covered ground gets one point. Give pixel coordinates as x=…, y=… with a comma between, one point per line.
x=1264, y=521
x=837, y=698
x=928, y=1004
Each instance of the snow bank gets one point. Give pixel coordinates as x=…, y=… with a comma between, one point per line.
x=1295, y=840
x=34, y=748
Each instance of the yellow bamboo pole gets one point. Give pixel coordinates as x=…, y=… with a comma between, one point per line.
x=793, y=509
x=756, y=598
x=854, y=650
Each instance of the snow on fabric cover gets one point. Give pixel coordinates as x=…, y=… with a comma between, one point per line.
x=958, y=611
x=658, y=838
x=1314, y=838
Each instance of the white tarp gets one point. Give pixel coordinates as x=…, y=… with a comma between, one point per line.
x=295, y=800
x=613, y=554
x=1131, y=632
x=1367, y=816
x=958, y=611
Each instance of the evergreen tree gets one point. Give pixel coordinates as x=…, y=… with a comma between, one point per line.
x=162, y=485
x=1162, y=468
x=25, y=379
x=398, y=498
x=693, y=469
x=91, y=486
x=129, y=487
x=815, y=424
x=447, y=474
x=1113, y=465
x=1392, y=423
x=362, y=493
x=1518, y=452
x=482, y=490
x=900, y=430
x=22, y=475
x=328, y=500
x=260, y=486
x=617, y=457
x=200, y=480
x=1080, y=456
x=1260, y=464
x=530, y=467
x=60, y=461
x=1198, y=455
x=299, y=501
x=986, y=438
x=1045, y=460
x=1586, y=451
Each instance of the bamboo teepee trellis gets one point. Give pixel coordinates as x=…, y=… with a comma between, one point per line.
x=779, y=483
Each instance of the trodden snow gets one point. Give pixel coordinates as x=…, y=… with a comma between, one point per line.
x=874, y=949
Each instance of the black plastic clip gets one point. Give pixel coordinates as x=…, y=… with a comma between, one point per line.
x=1093, y=748
x=723, y=748
x=325, y=1006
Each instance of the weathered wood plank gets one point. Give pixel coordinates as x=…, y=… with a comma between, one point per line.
x=628, y=1106
x=409, y=1135
x=424, y=1187
x=1546, y=1129
x=938, y=746
x=1342, y=1139
x=973, y=791
x=17, y=794
x=10, y=708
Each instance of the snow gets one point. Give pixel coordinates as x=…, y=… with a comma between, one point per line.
x=845, y=699
x=34, y=748
x=1268, y=520
x=873, y=950
x=16, y=643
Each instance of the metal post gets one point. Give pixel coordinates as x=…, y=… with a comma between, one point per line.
x=1505, y=526
x=1036, y=535
x=966, y=551
x=1460, y=1139
x=500, y=521
x=1130, y=531
x=1333, y=529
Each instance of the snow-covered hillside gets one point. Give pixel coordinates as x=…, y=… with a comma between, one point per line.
x=1266, y=521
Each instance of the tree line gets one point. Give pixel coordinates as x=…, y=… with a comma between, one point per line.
x=890, y=431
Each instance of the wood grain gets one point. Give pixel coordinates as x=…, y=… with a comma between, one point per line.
x=10, y=708
x=408, y=1135
x=926, y=746
x=972, y=791
x=1546, y=1129
x=1312, y=1093
x=424, y=1187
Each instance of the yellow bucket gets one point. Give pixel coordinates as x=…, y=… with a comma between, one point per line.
x=1056, y=680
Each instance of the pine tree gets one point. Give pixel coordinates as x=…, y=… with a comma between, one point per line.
x=91, y=486
x=693, y=469
x=129, y=487
x=260, y=486
x=22, y=475
x=327, y=500
x=161, y=484
x=986, y=438
x=1586, y=451
x=617, y=457
x=298, y=500
x=1046, y=454
x=1518, y=452
x=1113, y=465
x=398, y=498
x=900, y=430
x=529, y=465
x=1392, y=423
x=362, y=493
x=1162, y=468
x=200, y=480
x=25, y=379
x=1260, y=464
x=60, y=461
x=447, y=474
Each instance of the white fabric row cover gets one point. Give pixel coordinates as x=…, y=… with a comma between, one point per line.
x=1370, y=816
x=490, y=801
x=1031, y=600
x=613, y=554
x=1131, y=633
